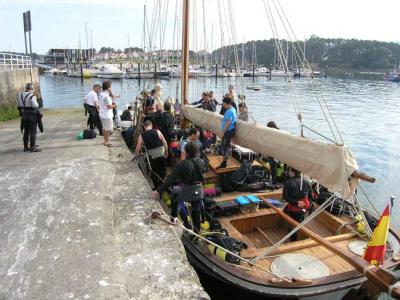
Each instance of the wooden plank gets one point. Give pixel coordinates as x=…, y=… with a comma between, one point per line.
x=215, y=161
x=265, y=235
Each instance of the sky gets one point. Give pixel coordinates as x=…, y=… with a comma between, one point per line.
x=119, y=23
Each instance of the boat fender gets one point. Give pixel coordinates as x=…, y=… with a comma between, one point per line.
x=360, y=225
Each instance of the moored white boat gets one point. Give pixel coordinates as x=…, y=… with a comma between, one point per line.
x=110, y=72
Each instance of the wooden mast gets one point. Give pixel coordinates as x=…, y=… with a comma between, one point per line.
x=185, y=56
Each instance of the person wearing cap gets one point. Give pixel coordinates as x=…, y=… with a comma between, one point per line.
x=28, y=107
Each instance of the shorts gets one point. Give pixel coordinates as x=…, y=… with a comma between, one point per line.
x=107, y=124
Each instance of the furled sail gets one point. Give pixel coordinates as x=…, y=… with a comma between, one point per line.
x=331, y=165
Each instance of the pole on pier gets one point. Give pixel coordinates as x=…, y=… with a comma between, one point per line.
x=253, y=70
x=155, y=70
x=138, y=65
x=81, y=63
x=270, y=71
x=216, y=72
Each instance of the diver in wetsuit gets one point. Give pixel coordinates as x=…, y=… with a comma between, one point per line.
x=189, y=172
x=28, y=107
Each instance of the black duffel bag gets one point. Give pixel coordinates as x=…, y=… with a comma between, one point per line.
x=89, y=134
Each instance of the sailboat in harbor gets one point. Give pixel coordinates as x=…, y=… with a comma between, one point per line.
x=326, y=261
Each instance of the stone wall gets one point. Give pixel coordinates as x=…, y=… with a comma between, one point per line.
x=13, y=81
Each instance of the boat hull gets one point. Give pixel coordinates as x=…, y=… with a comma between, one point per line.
x=220, y=276
x=110, y=75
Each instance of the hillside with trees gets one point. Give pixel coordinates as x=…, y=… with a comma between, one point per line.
x=320, y=52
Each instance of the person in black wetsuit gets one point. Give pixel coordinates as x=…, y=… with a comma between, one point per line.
x=167, y=122
x=189, y=173
x=157, y=148
x=28, y=107
x=298, y=193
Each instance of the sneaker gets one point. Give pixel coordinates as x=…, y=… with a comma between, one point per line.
x=26, y=149
x=35, y=150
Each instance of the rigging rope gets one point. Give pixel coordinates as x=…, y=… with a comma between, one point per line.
x=280, y=51
x=317, y=95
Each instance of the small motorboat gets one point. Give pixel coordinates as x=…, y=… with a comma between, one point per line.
x=110, y=72
x=254, y=87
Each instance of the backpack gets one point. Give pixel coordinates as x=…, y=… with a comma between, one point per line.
x=89, y=134
x=205, y=159
x=240, y=176
x=224, y=181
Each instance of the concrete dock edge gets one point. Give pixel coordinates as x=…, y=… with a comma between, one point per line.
x=75, y=221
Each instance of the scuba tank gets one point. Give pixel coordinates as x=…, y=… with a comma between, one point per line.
x=228, y=243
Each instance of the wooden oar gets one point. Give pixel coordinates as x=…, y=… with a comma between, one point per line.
x=384, y=279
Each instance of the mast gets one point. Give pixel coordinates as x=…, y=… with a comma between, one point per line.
x=185, y=52
x=87, y=41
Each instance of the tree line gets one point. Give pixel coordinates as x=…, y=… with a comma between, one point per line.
x=320, y=52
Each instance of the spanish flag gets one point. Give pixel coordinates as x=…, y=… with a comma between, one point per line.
x=376, y=249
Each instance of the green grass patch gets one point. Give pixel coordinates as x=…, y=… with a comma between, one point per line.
x=8, y=113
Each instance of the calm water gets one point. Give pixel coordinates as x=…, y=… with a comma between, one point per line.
x=366, y=112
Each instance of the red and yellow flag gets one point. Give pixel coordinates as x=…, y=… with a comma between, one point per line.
x=376, y=249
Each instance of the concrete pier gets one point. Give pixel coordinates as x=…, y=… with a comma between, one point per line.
x=74, y=221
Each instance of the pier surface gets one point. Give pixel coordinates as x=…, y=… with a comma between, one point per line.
x=74, y=221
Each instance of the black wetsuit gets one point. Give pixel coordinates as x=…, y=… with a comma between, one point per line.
x=189, y=172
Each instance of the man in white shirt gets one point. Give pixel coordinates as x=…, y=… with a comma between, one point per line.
x=106, y=111
x=28, y=107
x=92, y=107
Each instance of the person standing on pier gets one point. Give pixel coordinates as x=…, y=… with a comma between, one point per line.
x=92, y=106
x=106, y=112
x=228, y=125
x=28, y=107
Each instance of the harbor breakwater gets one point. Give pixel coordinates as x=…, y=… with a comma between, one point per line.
x=12, y=82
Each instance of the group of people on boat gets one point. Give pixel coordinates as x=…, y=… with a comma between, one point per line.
x=159, y=138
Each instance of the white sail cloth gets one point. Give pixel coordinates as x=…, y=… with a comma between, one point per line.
x=330, y=164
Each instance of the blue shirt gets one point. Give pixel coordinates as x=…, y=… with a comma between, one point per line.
x=230, y=114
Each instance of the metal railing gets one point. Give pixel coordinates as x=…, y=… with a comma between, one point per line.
x=14, y=61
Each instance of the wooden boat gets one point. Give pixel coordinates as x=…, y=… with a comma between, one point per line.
x=323, y=263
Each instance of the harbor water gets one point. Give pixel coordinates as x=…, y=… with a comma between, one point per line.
x=367, y=112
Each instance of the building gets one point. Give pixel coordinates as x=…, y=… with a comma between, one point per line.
x=65, y=56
